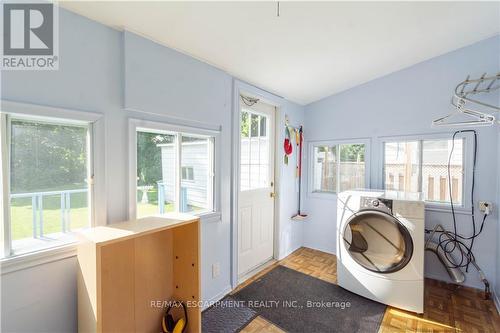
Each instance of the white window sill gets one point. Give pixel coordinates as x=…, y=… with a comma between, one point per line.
x=40, y=257
x=429, y=206
x=323, y=195
x=210, y=217
x=447, y=209
x=27, y=260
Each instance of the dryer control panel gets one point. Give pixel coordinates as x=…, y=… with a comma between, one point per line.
x=384, y=205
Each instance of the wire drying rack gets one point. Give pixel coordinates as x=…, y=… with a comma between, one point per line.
x=466, y=102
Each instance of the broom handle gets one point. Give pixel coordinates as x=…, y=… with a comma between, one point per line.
x=300, y=164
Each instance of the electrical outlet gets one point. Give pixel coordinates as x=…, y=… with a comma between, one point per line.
x=485, y=204
x=215, y=270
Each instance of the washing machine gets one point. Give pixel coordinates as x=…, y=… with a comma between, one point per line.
x=380, y=246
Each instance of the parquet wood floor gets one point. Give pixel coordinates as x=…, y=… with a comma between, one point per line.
x=448, y=308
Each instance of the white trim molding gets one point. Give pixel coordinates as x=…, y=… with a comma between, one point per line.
x=496, y=301
x=28, y=260
x=210, y=217
x=208, y=303
x=154, y=117
x=47, y=112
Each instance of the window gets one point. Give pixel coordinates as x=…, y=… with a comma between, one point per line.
x=47, y=168
x=175, y=172
x=255, y=159
x=338, y=167
x=422, y=166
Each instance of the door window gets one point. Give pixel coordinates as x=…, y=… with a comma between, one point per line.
x=255, y=151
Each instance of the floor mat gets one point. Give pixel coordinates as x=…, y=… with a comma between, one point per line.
x=297, y=302
x=226, y=316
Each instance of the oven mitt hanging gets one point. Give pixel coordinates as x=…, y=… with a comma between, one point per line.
x=287, y=145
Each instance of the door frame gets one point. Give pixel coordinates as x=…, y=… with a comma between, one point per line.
x=240, y=87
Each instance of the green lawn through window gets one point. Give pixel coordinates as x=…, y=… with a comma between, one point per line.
x=22, y=213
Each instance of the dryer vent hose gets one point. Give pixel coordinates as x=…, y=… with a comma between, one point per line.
x=456, y=275
x=449, y=262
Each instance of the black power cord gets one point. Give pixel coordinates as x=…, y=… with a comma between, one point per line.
x=450, y=241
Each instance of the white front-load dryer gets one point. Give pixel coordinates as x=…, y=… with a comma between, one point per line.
x=380, y=246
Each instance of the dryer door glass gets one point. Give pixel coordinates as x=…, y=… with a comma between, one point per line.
x=378, y=241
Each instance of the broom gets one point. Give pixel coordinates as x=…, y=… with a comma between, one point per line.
x=299, y=215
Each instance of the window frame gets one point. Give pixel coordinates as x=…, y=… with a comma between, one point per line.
x=168, y=128
x=310, y=165
x=467, y=165
x=97, y=192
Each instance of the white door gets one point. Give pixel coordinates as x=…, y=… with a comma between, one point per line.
x=256, y=197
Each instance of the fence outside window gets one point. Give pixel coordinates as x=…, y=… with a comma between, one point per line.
x=435, y=185
x=37, y=208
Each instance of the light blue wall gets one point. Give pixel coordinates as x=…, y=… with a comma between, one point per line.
x=291, y=232
x=166, y=82
x=43, y=298
x=497, y=286
x=163, y=81
x=122, y=75
x=103, y=70
x=405, y=103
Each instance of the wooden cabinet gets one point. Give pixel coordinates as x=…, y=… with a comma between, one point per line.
x=126, y=270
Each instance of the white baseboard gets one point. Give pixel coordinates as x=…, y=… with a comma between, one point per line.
x=495, y=300
x=216, y=298
x=320, y=249
x=446, y=279
x=438, y=277
x=282, y=256
x=255, y=270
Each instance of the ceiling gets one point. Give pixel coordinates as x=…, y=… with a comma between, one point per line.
x=314, y=49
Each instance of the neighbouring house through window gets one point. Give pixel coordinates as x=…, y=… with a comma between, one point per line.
x=187, y=173
x=422, y=166
x=175, y=172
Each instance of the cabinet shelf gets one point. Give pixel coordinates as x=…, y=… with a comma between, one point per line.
x=126, y=269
